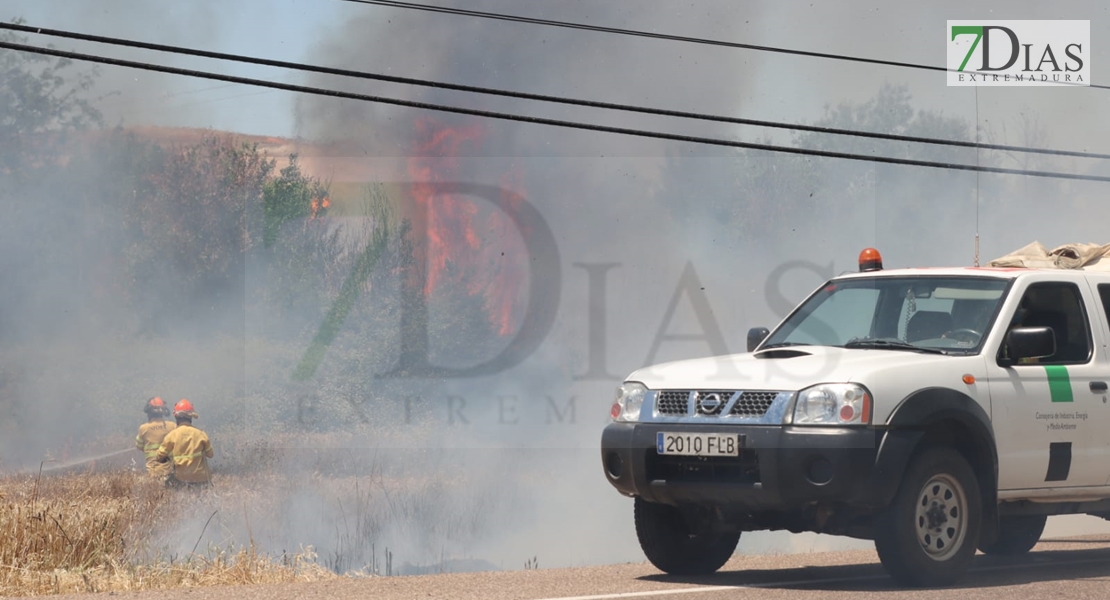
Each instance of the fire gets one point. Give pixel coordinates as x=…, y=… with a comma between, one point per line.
x=509, y=273
x=449, y=226
x=462, y=245
x=317, y=205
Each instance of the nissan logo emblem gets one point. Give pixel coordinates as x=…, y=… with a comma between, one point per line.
x=710, y=402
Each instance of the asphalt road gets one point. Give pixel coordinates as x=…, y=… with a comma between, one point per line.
x=1057, y=568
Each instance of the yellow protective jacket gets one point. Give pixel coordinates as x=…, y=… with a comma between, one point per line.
x=149, y=439
x=188, y=449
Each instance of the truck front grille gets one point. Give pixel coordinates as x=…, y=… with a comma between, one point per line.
x=750, y=404
x=672, y=402
x=753, y=404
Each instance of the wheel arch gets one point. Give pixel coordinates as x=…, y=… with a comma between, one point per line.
x=948, y=417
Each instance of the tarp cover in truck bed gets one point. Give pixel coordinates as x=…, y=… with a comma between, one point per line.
x=1087, y=257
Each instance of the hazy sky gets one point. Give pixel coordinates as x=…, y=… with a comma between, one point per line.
x=774, y=87
x=621, y=208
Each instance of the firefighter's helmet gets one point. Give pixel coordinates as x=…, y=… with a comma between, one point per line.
x=155, y=407
x=184, y=408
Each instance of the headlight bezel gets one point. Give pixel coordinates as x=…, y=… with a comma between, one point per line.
x=860, y=399
x=630, y=397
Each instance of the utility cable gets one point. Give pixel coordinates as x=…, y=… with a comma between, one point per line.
x=664, y=36
x=536, y=120
x=538, y=97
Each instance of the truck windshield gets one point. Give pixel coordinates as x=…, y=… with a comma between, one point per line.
x=923, y=313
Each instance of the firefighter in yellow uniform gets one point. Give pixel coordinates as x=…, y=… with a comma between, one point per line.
x=187, y=449
x=151, y=434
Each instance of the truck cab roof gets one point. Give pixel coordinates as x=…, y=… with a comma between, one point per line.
x=998, y=272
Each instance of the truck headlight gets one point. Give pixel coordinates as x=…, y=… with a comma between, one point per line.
x=833, y=404
x=630, y=397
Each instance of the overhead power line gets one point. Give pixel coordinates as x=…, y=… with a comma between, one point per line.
x=662, y=36
x=538, y=97
x=536, y=120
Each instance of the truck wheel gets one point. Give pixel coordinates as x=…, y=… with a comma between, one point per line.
x=928, y=535
x=1016, y=535
x=668, y=544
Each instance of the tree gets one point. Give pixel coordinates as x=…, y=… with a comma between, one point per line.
x=911, y=209
x=42, y=100
x=772, y=195
x=187, y=230
x=302, y=250
x=291, y=197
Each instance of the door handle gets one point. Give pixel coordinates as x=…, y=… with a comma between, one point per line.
x=1098, y=387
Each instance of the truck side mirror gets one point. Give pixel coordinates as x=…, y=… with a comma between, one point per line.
x=756, y=335
x=1029, y=342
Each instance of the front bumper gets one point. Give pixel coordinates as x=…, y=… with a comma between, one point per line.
x=780, y=468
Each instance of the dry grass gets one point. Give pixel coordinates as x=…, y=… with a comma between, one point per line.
x=89, y=532
x=283, y=508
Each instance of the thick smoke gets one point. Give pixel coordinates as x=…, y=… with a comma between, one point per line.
x=503, y=467
x=652, y=208
x=601, y=197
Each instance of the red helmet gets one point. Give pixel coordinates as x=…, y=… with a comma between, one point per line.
x=184, y=408
x=155, y=406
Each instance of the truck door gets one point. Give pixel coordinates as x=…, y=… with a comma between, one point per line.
x=1100, y=387
x=1049, y=423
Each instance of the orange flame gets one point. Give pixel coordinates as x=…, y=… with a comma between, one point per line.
x=449, y=224
x=508, y=271
x=317, y=205
x=460, y=245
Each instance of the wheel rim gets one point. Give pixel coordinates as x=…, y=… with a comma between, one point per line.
x=941, y=517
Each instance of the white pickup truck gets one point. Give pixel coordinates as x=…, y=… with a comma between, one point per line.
x=934, y=411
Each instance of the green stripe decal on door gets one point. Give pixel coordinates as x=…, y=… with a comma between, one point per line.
x=1059, y=384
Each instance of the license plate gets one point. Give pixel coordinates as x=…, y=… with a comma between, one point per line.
x=698, y=444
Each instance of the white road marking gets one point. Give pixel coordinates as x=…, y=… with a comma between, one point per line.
x=721, y=588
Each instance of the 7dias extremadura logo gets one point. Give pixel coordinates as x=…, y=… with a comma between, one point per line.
x=1019, y=53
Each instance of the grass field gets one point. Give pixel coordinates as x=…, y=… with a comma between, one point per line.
x=280, y=510
x=99, y=532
